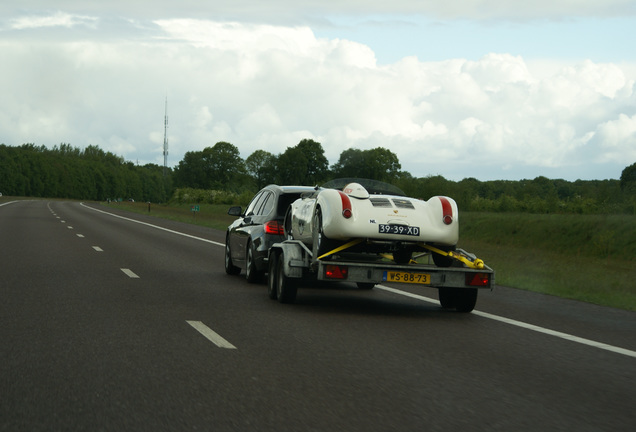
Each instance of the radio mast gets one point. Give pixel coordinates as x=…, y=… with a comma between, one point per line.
x=165, y=140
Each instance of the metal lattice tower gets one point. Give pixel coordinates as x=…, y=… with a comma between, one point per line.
x=165, y=140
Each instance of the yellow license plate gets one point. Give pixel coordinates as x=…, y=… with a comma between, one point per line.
x=406, y=277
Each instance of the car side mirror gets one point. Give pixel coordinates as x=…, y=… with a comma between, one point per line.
x=235, y=211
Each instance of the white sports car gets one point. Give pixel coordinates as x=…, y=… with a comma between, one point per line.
x=377, y=216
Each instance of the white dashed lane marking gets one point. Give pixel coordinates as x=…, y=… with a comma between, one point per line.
x=130, y=273
x=211, y=335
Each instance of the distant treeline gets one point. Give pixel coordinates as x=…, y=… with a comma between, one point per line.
x=68, y=172
x=219, y=175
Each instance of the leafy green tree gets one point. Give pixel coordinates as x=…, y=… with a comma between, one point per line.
x=261, y=166
x=317, y=163
x=376, y=164
x=292, y=167
x=350, y=164
x=628, y=179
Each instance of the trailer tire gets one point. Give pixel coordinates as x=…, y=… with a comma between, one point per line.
x=286, y=287
x=272, y=276
x=365, y=285
x=461, y=299
x=446, y=298
x=465, y=299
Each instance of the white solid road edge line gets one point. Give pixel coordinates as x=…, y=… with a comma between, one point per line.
x=210, y=334
x=521, y=324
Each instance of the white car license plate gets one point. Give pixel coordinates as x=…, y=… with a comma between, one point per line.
x=399, y=229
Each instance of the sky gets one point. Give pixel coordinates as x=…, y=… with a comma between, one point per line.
x=490, y=89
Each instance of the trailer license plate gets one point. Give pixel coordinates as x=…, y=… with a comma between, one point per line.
x=406, y=277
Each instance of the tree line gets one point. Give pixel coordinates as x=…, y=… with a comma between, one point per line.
x=69, y=172
x=219, y=171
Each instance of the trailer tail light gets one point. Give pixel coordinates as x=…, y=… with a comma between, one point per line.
x=274, y=227
x=346, y=205
x=336, y=272
x=447, y=210
x=478, y=279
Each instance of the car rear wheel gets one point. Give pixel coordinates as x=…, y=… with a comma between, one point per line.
x=230, y=268
x=402, y=256
x=321, y=244
x=443, y=260
x=252, y=274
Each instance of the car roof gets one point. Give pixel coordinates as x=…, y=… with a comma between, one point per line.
x=290, y=189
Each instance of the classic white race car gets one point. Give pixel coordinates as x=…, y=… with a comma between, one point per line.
x=379, y=215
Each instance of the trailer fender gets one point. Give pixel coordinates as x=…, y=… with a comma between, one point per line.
x=293, y=258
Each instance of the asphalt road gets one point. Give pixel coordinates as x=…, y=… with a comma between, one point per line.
x=109, y=324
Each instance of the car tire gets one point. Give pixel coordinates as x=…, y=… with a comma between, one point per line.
x=252, y=274
x=287, y=225
x=402, y=256
x=320, y=243
x=230, y=268
x=272, y=276
x=443, y=260
x=286, y=287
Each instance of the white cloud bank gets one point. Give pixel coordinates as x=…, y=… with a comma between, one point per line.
x=262, y=86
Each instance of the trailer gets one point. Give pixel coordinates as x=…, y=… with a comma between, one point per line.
x=291, y=261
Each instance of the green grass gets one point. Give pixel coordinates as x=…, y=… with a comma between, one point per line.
x=590, y=258
x=209, y=215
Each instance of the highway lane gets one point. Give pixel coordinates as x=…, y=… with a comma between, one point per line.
x=86, y=346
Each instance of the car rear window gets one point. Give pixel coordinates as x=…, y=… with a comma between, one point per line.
x=285, y=200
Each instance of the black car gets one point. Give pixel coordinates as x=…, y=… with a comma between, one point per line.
x=249, y=238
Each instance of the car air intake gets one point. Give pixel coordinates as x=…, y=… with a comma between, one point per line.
x=380, y=202
x=404, y=204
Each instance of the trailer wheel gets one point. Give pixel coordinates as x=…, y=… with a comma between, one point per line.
x=286, y=287
x=446, y=298
x=272, y=276
x=465, y=299
x=461, y=299
x=365, y=285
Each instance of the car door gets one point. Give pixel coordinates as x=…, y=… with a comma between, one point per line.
x=239, y=235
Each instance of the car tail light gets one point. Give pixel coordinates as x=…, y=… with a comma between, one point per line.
x=336, y=272
x=447, y=210
x=478, y=279
x=274, y=227
x=346, y=205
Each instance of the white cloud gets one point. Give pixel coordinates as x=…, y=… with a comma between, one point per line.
x=293, y=10
x=58, y=19
x=263, y=86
